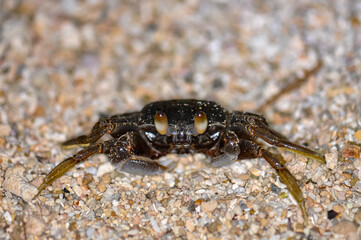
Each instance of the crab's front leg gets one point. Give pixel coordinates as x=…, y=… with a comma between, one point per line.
x=287, y=178
x=115, y=125
x=69, y=163
x=132, y=155
x=237, y=149
x=99, y=130
x=127, y=152
x=258, y=129
x=230, y=151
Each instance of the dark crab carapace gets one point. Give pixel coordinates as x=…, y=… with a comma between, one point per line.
x=182, y=126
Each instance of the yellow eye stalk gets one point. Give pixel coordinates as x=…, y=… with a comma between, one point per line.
x=161, y=123
x=200, y=122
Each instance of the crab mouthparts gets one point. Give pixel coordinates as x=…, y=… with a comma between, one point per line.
x=182, y=137
x=181, y=148
x=181, y=142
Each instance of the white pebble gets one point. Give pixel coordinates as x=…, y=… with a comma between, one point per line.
x=35, y=225
x=108, y=194
x=89, y=232
x=16, y=183
x=7, y=217
x=105, y=168
x=70, y=37
x=77, y=190
x=155, y=225
x=331, y=158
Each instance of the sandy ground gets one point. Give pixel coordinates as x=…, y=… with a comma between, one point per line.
x=65, y=63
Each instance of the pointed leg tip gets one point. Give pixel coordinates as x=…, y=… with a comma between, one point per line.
x=302, y=206
x=322, y=159
x=40, y=189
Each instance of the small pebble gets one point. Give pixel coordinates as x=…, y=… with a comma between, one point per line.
x=318, y=174
x=104, y=182
x=190, y=225
x=351, y=151
x=8, y=217
x=88, y=178
x=107, y=167
x=209, y=206
x=255, y=171
x=214, y=226
x=331, y=158
x=136, y=220
x=70, y=37
x=90, y=232
x=338, y=208
x=155, y=225
x=190, y=236
x=300, y=228
x=341, y=195
x=5, y=130
x=77, y=190
x=16, y=183
x=357, y=216
x=178, y=231
x=254, y=228
x=344, y=228
x=244, y=177
x=35, y=225
x=357, y=134
x=109, y=194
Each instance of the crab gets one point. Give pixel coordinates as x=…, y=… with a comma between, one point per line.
x=139, y=139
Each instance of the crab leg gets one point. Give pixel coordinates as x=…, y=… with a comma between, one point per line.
x=231, y=151
x=69, y=163
x=269, y=137
x=115, y=126
x=142, y=166
x=288, y=179
x=85, y=140
x=247, y=149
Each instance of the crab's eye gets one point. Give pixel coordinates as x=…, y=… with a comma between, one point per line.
x=161, y=123
x=200, y=122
